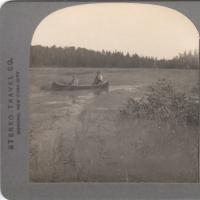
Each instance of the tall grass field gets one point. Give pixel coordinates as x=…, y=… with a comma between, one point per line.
x=144, y=129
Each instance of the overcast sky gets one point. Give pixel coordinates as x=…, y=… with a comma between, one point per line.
x=128, y=27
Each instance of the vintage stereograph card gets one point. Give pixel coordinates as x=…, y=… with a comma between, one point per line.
x=100, y=100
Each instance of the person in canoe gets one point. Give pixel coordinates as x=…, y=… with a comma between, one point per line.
x=74, y=81
x=98, y=79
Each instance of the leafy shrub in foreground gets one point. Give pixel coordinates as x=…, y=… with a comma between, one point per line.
x=164, y=104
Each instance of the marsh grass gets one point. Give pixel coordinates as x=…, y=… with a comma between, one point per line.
x=116, y=137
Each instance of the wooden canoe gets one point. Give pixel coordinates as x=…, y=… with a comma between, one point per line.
x=62, y=86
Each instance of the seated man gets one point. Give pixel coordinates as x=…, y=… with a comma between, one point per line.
x=99, y=78
x=74, y=81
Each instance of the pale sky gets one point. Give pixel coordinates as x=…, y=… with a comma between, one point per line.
x=144, y=29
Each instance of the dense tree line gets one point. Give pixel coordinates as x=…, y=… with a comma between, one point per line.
x=81, y=57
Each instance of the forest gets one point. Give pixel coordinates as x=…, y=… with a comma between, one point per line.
x=41, y=56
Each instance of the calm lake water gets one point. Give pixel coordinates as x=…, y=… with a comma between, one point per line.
x=73, y=100
x=132, y=81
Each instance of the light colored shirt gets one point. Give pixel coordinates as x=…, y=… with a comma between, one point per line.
x=100, y=77
x=75, y=82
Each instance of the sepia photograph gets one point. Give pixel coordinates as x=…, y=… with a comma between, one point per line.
x=114, y=95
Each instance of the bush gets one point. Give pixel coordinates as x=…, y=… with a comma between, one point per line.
x=163, y=103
